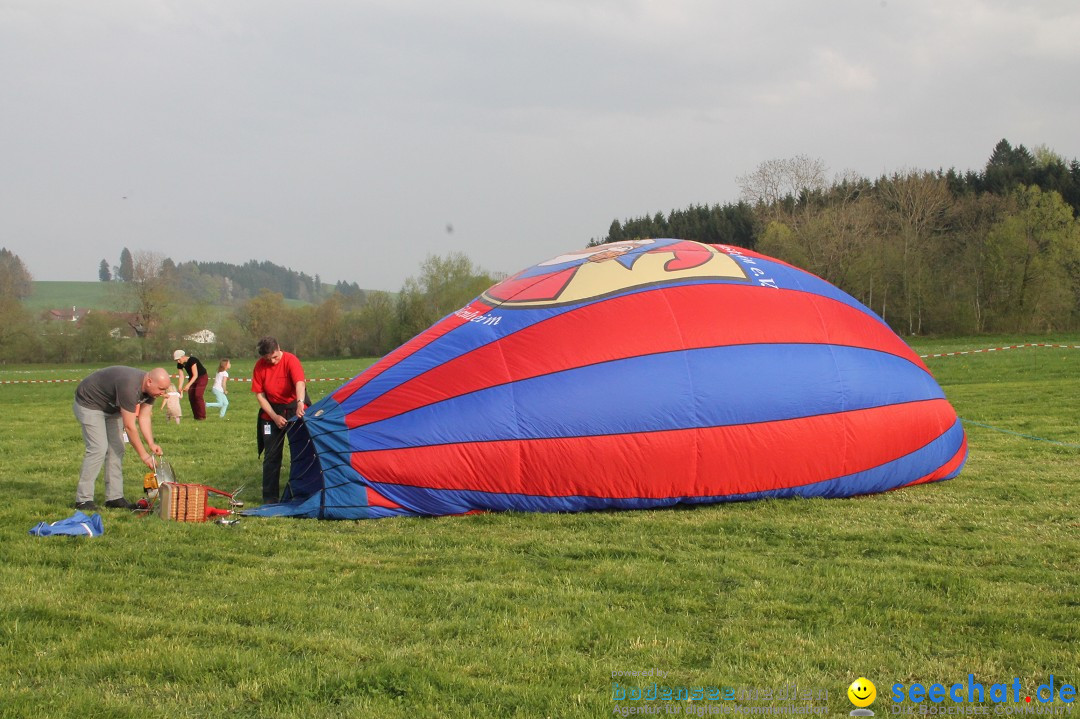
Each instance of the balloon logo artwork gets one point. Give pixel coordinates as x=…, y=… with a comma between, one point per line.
x=605, y=269
x=634, y=375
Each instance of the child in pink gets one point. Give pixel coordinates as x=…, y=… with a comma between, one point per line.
x=170, y=402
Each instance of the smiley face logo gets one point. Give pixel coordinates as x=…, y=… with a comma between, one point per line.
x=862, y=692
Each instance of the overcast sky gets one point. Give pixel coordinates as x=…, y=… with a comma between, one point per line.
x=344, y=138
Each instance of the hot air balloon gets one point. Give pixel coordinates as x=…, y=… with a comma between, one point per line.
x=630, y=375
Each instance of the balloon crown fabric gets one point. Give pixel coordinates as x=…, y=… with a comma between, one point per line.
x=633, y=375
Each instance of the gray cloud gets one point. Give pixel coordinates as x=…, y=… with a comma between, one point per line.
x=340, y=138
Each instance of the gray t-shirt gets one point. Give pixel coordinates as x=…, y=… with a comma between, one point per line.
x=113, y=388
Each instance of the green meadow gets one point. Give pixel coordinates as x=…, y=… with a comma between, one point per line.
x=107, y=296
x=50, y=295
x=535, y=615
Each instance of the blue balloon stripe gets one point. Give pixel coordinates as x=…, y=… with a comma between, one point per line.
x=888, y=476
x=719, y=386
x=792, y=278
x=471, y=336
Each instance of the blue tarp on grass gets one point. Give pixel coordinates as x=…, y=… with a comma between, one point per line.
x=77, y=525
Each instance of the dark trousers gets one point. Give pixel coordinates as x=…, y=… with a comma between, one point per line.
x=195, y=397
x=273, y=448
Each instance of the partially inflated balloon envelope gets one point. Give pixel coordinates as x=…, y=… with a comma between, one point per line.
x=630, y=375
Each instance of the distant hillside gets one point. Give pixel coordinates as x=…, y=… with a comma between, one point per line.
x=65, y=295
x=253, y=276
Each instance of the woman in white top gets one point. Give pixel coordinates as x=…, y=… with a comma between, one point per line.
x=220, y=393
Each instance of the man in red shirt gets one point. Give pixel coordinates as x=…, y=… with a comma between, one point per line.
x=278, y=383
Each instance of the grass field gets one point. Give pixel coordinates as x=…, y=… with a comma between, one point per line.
x=530, y=615
x=47, y=295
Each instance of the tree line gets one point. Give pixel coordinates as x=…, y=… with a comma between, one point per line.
x=223, y=282
x=156, y=309
x=932, y=252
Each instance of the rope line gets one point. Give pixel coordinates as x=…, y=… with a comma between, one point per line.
x=1000, y=349
x=347, y=379
x=80, y=379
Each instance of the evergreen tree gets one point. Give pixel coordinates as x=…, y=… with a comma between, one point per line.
x=1007, y=168
x=1072, y=193
x=127, y=266
x=253, y=276
x=15, y=281
x=721, y=224
x=615, y=232
x=103, y=273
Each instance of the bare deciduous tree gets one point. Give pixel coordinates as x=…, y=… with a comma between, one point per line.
x=775, y=180
x=149, y=291
x=916, y=204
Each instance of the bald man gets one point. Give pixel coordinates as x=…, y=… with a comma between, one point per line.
x=107, y=403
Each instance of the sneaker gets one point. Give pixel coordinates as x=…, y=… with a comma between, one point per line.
x=121, y=503
x=86, y=506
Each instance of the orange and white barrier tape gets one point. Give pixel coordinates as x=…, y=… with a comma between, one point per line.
x=38, y=381
x=1000, y=349
x=317, y=379
x=80, y=379
x=347, y=379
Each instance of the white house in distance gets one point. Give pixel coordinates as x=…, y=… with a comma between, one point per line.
x=202, y=337
x=76, y=314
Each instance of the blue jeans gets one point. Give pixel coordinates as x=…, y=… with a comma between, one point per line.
x=222, y=401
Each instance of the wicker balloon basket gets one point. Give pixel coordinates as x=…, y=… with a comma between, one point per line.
x=182, y=502
x=178, y=502
x=188, y=502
